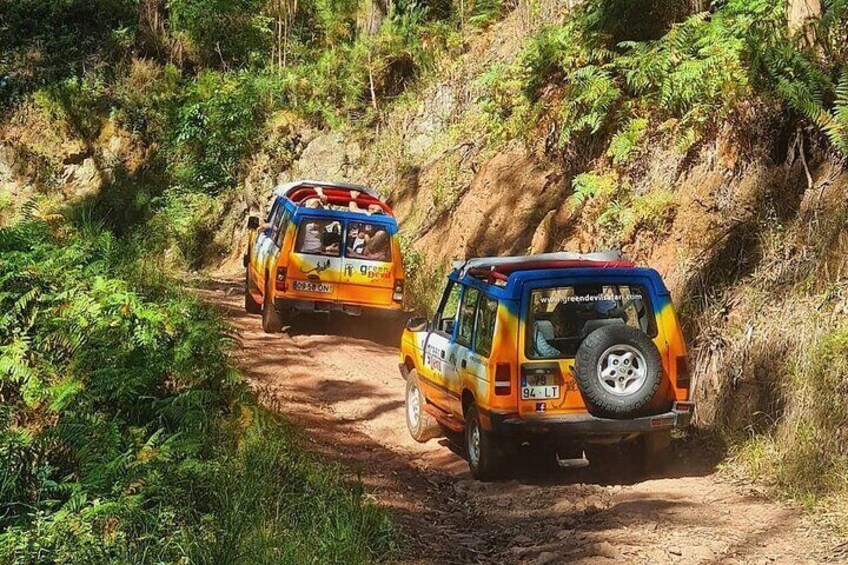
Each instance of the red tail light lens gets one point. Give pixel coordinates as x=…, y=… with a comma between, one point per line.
x=503, y=379
x=280, y=283
x=397, y=291
x=684, y=374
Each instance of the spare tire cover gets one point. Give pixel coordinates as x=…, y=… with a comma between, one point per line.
x=618, y=370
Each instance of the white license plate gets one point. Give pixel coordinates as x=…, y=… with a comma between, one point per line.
x=306, y=286
x=539, y=392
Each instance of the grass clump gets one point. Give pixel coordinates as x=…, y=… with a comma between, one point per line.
x=805, y=455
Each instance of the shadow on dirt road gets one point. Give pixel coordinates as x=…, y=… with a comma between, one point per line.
x=337, y=380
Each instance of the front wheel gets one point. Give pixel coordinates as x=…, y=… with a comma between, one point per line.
x=272, y=323
x=484, y=458
x=422, y=426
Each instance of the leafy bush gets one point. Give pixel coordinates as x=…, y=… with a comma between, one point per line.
x=214, y=128
x=587, y=186
x=126, y=435
x=79, y=106
x=424, y=283
x=221, y=33
x=691, y=78
x=43, y=41
x=145, y=99
x=630, y=142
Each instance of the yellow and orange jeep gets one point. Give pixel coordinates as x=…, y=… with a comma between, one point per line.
x=323, y=247
x=574, y=350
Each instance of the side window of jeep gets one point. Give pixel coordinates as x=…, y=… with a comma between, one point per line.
x=446, y=315
x=273, y=220
x=466, y=316
x=280, y=225
x=487, y=314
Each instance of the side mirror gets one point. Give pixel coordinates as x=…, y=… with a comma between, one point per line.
x=252, y=222
x=417, y=325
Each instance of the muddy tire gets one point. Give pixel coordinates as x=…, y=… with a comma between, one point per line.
x=618, y=370
x=272, y=322
x=421, y=425
x=251, y=306
x=484, y=458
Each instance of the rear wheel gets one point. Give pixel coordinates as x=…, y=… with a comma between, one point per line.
x=484, y=458
x=422, y=426
x=251, y=306
x=271, y=321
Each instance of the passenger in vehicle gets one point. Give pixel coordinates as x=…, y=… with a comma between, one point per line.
x=377, y=246
x=318, y=201
x=354, y=206
x=543, y=333
x=356, y=244
x=312, y=238
x=318, y=238
x=331, y=239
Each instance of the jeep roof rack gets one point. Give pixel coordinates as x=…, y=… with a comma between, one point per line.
x=499, y=268
x=337, y=193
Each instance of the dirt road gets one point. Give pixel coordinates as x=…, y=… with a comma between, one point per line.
x=339, y=380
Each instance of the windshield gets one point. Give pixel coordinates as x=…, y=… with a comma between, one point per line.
x=559, y=318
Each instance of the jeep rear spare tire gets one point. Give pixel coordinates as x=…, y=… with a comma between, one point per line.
x=618, y=370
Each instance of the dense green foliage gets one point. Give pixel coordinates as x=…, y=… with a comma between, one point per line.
x=126, y=435
x=197, y=80
x=690, y=79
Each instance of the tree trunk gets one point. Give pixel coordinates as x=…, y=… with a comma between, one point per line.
x=802, y=16
x=370, y=16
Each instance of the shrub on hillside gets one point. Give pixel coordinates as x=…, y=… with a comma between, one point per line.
x=126, y=435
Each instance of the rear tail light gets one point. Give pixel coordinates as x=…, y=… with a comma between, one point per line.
x=503, y=379
x=684, y=374
x=280, y=283
x=397, y=291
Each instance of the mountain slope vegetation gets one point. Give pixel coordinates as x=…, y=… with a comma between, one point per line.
x=705, y=138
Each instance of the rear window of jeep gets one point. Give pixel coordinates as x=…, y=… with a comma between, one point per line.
x=559, y=318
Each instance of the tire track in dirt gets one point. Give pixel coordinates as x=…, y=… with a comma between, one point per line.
x=338, y=380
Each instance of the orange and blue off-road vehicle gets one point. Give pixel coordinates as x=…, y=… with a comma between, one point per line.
x=323, y=247
x=577, y=351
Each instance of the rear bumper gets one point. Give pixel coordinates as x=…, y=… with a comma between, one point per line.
x=581, y=425
x=584, y=424
x=327, y=306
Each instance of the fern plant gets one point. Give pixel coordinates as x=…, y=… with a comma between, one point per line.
x=122, y=437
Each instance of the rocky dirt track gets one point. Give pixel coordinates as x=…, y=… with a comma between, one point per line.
x=338, y=379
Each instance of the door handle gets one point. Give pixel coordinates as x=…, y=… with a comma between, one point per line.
x=464, y=363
